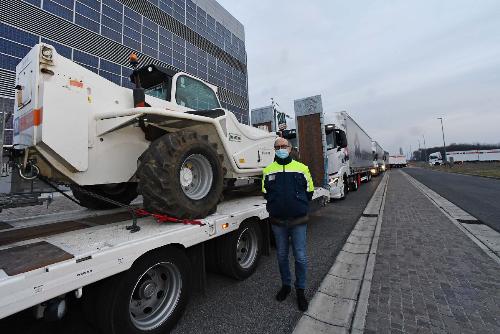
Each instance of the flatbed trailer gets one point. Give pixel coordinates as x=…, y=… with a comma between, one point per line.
x=45, y=259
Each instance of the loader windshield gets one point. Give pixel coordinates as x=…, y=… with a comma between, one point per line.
x=194, y=94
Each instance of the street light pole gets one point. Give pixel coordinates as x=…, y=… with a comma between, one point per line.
x=425, y=149
x=419, y=152
x=444, y=143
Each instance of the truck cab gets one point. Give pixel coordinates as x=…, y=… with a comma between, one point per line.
x=435, y=159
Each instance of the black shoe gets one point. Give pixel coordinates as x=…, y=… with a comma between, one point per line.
x=301, y=300
x=283, y=293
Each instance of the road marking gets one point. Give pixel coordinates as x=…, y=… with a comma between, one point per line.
x=340, y=304
x=482, y=235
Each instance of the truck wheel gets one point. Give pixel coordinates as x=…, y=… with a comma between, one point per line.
x=239, y=251
x=354, y=183
x=124, y=193
x=148, y=298
x=346, y=188
x=181, y=174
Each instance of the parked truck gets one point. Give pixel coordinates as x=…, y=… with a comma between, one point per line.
x=73, y=126
x=341, y=151
x=397, y=161
x=378, y=159
x=435, y=159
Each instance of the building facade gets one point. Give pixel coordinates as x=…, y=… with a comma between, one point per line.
x=199, y=37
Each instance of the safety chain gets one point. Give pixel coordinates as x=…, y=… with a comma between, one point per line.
x=133, y=211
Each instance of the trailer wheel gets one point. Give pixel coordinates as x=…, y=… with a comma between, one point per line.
x=181, y=174
x=239, y=251
x=124, y=193
x=148, y=298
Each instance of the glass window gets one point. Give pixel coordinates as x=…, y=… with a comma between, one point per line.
x=149, y=24
x=131, y=33
x=132, y=14
x=85, y=58
x=66, y=3
x=194, y=94
x=86, y=23
x=112, y=13
x=96, y=5
x=131, y=43
x=110, y=23
x=110, y=33
x=13, y=49
x=87, y=12
x=150, y=33
x=149, y=42
x=34, y=2
x=111, y=77
x=8, y=63
x=158, y=91
x=132, y=24
x=61, y=49
x=17, y=35
x=150, y=51
x=58, y=10
x=110, y=67
x=114, y=4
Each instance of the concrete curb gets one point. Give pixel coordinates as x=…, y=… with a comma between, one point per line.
x=341, y=301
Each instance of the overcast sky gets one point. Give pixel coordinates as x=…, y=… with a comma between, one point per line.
x=393, y=65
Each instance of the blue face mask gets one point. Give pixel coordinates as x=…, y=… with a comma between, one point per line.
x=282, y=153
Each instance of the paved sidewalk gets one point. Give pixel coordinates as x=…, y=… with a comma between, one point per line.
x=429, y=277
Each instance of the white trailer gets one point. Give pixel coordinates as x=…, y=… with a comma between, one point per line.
x=129, y=282
x=397, y=161
x=473, y=155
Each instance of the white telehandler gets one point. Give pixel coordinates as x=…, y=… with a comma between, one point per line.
x=167, y=139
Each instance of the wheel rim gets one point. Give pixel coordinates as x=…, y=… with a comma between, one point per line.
x=155, y=296
x=196, y=176
x=246, y=248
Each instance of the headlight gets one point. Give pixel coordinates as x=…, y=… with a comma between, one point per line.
x=47, y=53
x=373, y=171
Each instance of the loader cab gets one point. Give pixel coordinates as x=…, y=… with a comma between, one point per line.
x=176, y=87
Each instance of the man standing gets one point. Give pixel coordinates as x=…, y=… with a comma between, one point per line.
x=288, y=187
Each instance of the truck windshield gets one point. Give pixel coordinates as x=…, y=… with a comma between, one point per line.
x=194, y=94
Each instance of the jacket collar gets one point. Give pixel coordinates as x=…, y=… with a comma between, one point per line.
x=285, y=161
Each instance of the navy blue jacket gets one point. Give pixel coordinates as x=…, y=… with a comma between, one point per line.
x=288, y=187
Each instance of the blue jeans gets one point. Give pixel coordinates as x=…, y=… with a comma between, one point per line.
x=297, y=234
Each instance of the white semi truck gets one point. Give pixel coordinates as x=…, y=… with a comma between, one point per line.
x=76, y=127
x=379, y=158
x=397, y=161
x=435, y=159
x=341, y=152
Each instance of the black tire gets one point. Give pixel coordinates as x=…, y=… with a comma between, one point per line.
x=159, y=175
x=123, y=193
x=354, y=184
x=346, y=188
x=113, y=310
x=228, y=256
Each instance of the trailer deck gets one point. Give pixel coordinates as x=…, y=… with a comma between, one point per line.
x=46, y=256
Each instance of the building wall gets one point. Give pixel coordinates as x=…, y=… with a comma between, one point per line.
x=199, y=37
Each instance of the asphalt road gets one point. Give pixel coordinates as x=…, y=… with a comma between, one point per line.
x=230, y=306
x=477, y=195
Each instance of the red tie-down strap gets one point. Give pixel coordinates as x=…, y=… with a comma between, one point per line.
x=167, y=219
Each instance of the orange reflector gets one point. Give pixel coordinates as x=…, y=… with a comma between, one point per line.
x=37, y=116
x=225, y=226
x=76, y=83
